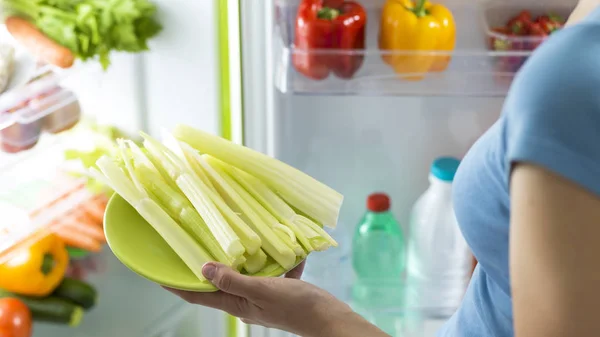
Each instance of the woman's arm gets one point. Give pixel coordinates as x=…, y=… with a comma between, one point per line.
x=554, y=255
x=282, y=303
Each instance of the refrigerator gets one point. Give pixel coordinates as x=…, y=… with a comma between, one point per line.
x=225, y=66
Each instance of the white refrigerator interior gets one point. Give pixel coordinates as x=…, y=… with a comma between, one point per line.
x=373, y=133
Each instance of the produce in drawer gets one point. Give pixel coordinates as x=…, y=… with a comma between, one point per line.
x=36, y=269
x=7, y=55
x=38, y=44
x=20, y=136
x=330, y=37
x=50, y=309
x=82, y=226
x=411, y=34
x=83, y=29
x=65, y=111
x=85, y=265
x=522, y=32
x=15, y=318
x=212, y=200
x=77, y=292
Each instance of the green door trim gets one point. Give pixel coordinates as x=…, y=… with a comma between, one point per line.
x=225, y=63
x=224, y=78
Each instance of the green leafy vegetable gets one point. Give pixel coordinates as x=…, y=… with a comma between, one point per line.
x=91, y=28
x=104, y=139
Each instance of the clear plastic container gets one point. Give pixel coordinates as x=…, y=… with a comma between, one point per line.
x=474, y=69
x=497, y=13
x=52, y=110
x=60, y=109
x=33, y=102
x=19, y=135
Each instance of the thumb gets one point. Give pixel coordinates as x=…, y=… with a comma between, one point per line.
x=230, y=281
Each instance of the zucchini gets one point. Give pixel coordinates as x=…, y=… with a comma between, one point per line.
x=77, y=292
x=50, y=309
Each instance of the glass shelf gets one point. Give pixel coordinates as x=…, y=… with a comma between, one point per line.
x=474, y=70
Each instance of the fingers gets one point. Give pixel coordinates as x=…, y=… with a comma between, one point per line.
x=232, y=282
x=233, y=305
x=296, y=272
x=249, y=321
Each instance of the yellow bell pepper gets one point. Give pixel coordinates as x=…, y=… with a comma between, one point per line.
x=412, y=33
x=35, y=270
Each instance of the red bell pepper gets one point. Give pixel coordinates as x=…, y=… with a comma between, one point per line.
x=326, y=25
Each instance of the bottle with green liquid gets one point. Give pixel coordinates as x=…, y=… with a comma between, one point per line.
x=378, y=256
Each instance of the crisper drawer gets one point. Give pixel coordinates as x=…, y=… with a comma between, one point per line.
x=127, y=306
x=45, y=195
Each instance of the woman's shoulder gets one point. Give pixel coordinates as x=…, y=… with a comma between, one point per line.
x=569, y=57
x=561, y=75
x=552, y=112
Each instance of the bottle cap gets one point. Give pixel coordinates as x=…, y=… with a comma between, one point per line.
x=378, y=202
x=444, y=168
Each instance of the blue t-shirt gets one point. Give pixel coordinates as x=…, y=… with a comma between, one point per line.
x=551, y=117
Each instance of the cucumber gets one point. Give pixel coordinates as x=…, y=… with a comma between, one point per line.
x=77, y=292
x=50, y=309
x=77, y=253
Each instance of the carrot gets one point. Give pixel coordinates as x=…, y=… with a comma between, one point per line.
x=89, y=229
x=95, y=210
x=78, y=240
x=38, y=43
x=68, y=230
x=83, y=216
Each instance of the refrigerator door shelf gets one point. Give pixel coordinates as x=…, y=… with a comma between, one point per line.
x=396, y=323
x=482, y=64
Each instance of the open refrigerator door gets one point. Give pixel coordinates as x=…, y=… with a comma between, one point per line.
x=379, y=126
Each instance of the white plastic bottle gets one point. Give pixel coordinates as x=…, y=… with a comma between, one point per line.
x=439, y=262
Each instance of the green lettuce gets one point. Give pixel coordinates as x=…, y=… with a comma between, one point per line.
x=91, y=29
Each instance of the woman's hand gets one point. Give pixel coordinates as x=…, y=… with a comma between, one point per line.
x=282, y=303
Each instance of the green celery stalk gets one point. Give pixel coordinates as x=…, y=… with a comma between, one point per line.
x=127, y=160
x=285, y=238
x=250, y=239
x=181, y=210
x=268, y=199
x=191, y=253
x=197, y=193
x=262, y=212
x=277, y=249
x=188, y=155
x=300, y=190
x=301, y=220
x=254, y=263
x=286, y=231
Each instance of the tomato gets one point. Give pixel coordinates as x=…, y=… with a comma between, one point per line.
x=525, y=15
x=519, y=25
x=15, y=318
x=5, y=333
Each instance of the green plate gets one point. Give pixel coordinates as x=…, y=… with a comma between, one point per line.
x=140, y=248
